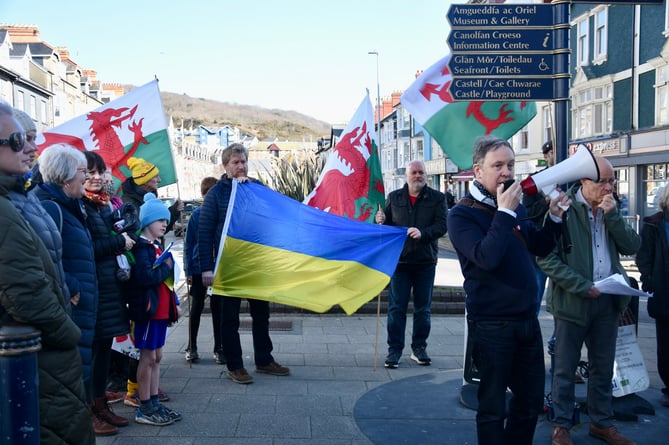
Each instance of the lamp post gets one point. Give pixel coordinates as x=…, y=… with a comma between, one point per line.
x=378, y=101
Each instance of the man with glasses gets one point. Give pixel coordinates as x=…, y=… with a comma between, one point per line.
x=583, y=314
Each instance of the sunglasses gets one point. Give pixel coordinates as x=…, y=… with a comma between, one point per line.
x=15, y=141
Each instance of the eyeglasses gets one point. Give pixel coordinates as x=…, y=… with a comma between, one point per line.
x=611, y=182
x=15, y=141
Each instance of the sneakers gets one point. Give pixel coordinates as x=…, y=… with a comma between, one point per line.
x=420, y=356
x=192, y=356
x=162, y=397
x=273, y=368
x=114, y=397
x=610, y=435
x=561, y=436
x=393, y=360
x=219, y=358
x=240, y=376
x=132, y=400
x=154, y=417
x=169, y=412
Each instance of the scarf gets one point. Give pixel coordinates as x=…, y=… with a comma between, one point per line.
x=486, y=197
x=99, y=199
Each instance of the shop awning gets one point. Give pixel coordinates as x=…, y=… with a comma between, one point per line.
x=467, y=175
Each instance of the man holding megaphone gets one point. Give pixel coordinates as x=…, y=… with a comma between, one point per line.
x=582, y=313
x=495, y=243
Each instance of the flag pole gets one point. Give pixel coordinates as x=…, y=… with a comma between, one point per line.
x=378, y=148
x=376, y=336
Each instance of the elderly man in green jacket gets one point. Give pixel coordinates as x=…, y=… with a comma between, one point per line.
x=599, y=235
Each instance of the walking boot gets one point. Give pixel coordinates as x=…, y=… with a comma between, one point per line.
x=101, y=408
x=101, y=427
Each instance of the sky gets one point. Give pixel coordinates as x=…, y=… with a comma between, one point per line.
x=310, y=56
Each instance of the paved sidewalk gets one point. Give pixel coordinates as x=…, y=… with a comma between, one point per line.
x=336, y=395
x=332, y=370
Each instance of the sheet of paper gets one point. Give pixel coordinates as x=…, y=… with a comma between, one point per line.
x=615, y=284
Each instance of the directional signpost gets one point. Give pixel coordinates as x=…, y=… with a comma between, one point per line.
x=508, y=52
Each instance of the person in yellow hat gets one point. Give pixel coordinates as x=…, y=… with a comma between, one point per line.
x=145, y=178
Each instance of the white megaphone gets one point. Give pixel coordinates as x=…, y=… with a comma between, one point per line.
x=581, y=165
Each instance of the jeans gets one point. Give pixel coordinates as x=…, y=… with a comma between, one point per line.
x=232, y=348
x=197, y=295
x=508, y=354
x=420, y=277
x=216, y=305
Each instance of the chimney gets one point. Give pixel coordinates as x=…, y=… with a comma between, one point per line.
x=23, y=33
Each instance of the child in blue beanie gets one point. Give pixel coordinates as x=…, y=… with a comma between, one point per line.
x=153, y=306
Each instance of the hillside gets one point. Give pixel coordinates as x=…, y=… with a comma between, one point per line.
x=261, y=122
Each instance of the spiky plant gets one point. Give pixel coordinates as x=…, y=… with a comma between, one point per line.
x=295, y=175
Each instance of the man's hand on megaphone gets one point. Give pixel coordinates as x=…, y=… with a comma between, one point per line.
x=509, y=198
x=559, y=204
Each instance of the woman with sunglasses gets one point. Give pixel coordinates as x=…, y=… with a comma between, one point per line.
x=30, y=292
x=64, y=171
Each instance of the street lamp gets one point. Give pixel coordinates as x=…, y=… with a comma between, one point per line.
x=378, y=101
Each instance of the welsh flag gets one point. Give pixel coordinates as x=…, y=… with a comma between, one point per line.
x=134, y=125
x=456, y=125
x=351, y=183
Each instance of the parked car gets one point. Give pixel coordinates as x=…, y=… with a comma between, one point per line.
x=181, y=224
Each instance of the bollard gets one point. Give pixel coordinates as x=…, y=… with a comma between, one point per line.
x=19, y=380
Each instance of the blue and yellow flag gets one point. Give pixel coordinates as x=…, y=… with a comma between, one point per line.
x=277, y=249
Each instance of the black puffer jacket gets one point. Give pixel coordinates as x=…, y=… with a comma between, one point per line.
x=112, y=319
x=30, y=294
x=653, y=262
x=428, y=214
x=135, y=194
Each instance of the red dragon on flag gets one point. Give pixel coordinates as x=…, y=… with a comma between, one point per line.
x=351, y=184
x=132, y=125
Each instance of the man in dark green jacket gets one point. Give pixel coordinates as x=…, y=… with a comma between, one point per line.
x=583, y=314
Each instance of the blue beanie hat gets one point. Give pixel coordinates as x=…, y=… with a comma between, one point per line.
x=152, y=210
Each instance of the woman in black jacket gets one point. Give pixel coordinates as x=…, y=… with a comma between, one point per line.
x=653, y=262
x=112, y=316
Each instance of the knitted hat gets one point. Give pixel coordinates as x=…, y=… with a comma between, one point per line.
x=142, y=171
x=152, y=210
x=26, y=121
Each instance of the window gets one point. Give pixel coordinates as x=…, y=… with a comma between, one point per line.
x=592, y=111
x=655, y=179
x=583, y=42
x=33, y=106
x=419, y=149
x=20, y=101
x=601, y=34
x=43, y=112
x=662, y=95
x=547, y=123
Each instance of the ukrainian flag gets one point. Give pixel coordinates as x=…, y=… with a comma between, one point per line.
x=277, y=249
